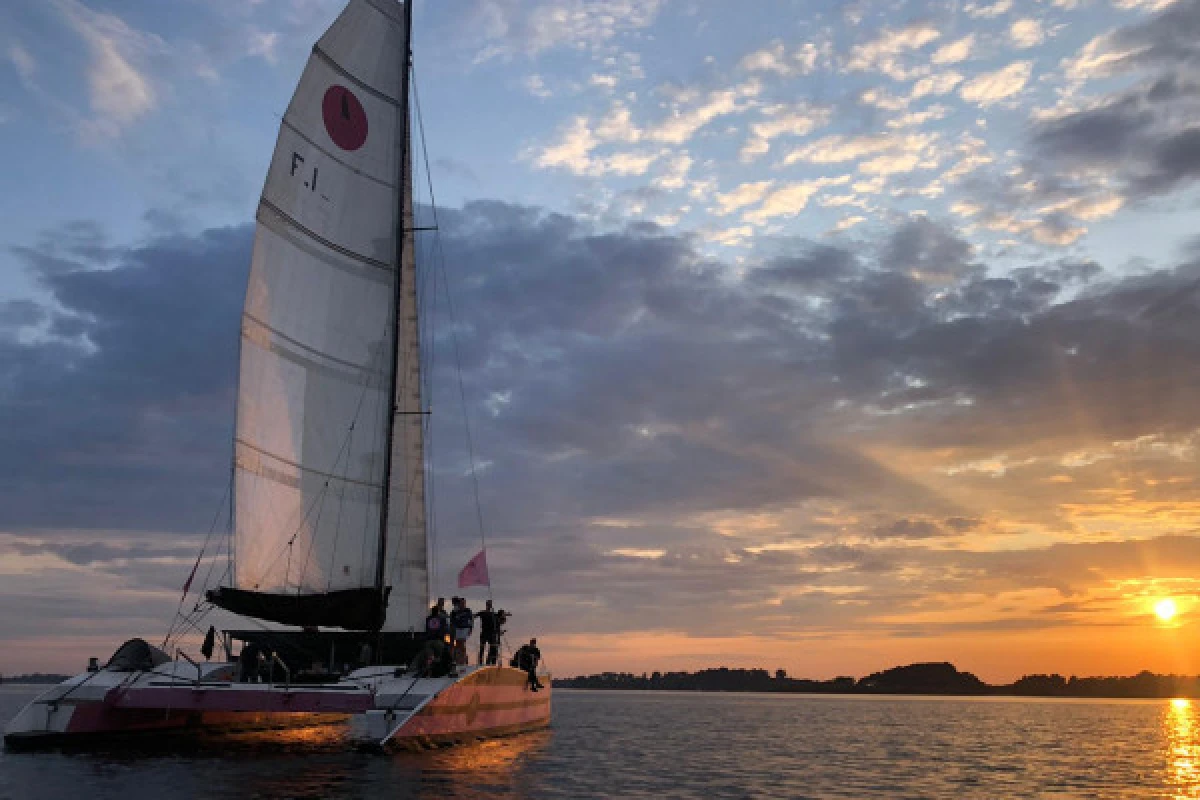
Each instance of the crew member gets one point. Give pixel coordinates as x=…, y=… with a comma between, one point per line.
x=463, y=622
x=527, y=658
x=488, y=636
x=437, y=624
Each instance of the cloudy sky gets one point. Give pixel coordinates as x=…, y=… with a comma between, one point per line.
x=816, y=335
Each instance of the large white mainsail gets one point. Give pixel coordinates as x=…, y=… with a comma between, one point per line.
x=319, y=337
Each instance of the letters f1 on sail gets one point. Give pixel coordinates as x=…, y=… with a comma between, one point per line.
x=475, y=573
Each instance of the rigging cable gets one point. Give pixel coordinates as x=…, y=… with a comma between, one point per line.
x=441, y=264
x=188, y=585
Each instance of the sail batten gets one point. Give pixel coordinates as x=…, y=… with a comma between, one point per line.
x=318, y=349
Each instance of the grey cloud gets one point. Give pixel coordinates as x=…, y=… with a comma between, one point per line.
x=1143, y=134
x=623, y=375
x=925, y=247
x=17, y=314
x=122, y=417
x=909, y=529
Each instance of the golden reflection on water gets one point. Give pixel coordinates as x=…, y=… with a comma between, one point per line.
x=1183, y=749
x=490, y=757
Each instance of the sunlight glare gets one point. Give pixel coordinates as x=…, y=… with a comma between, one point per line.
x=1165, y=609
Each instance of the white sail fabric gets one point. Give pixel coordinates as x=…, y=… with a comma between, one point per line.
x=317, y=337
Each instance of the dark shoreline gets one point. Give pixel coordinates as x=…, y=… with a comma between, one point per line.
x=923, y=679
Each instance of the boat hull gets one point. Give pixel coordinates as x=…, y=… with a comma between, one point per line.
x=379, y=705
x=489, y=702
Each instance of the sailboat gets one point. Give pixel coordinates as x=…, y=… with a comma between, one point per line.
x=329, y=532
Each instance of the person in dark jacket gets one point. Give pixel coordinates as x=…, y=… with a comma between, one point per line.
x=489, y=634
x=250, y=663
x=437, y=624
x=527, y=658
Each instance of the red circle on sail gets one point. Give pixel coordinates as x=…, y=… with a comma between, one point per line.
x=345, y=119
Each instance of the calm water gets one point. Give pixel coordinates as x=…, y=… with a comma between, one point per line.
x=612, y=744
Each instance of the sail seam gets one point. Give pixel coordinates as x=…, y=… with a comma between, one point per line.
x=306, y=244
x=349, y=364
x=345, y=73
x=390, y=11
x=275, y=475
x=316, y=237
x=334, y=158
x=371, y=380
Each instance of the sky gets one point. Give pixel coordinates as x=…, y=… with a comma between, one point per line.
x=820, y=336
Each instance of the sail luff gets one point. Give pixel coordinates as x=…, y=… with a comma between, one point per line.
x=404, y=182
x=406, y=541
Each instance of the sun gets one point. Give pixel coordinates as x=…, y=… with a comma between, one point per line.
x=1165, y=609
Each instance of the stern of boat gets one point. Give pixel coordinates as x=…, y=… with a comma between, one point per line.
x=480, y=703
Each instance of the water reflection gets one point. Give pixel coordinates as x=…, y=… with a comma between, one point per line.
x=495, y=768
x=1183, y=749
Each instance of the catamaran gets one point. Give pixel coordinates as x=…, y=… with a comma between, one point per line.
x=329, y=533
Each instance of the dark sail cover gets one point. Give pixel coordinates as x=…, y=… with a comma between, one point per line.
x=352, y=609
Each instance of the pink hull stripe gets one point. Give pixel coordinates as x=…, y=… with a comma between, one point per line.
x=217, y=699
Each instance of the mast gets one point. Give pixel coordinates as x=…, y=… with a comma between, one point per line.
x=404, y=182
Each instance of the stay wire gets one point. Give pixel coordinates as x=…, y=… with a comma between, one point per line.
x=441, y=265
x=208, y=538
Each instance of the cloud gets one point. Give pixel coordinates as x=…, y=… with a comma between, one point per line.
x=838, y=148
x=769, y=59
x=954, y=52
x=675, y=176
x=536, y=86
x=846, y=223
x=1133, y=136
x=790, y=198
x=686, y=119
x=121, y=91
x=133, y=381
x=893, y=153
x=774, y=431
x=744, y=195
x=1026, y=33
x=506, y=28
x=1142, y=5
x=1164, y=41
x=942, y=83
x=796, y=120
x=999, y=8
x=22, y=61
x=690, y=111
x=775, y=59
x=988, y=88
x=573, y=151
x=884, y=53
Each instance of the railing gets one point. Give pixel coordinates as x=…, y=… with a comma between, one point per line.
x=275, y=659
x=199, y=672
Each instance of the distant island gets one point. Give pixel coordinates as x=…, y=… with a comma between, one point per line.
x=936, y=678
x=35, y=677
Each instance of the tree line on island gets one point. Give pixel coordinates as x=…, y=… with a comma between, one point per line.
x=937, y=678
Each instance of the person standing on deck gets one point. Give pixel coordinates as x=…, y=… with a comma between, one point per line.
x=462, y=622
x=489, y=634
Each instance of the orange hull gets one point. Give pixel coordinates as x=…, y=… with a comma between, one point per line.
x=490, y=702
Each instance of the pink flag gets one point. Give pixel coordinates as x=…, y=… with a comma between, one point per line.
x=475, y=572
